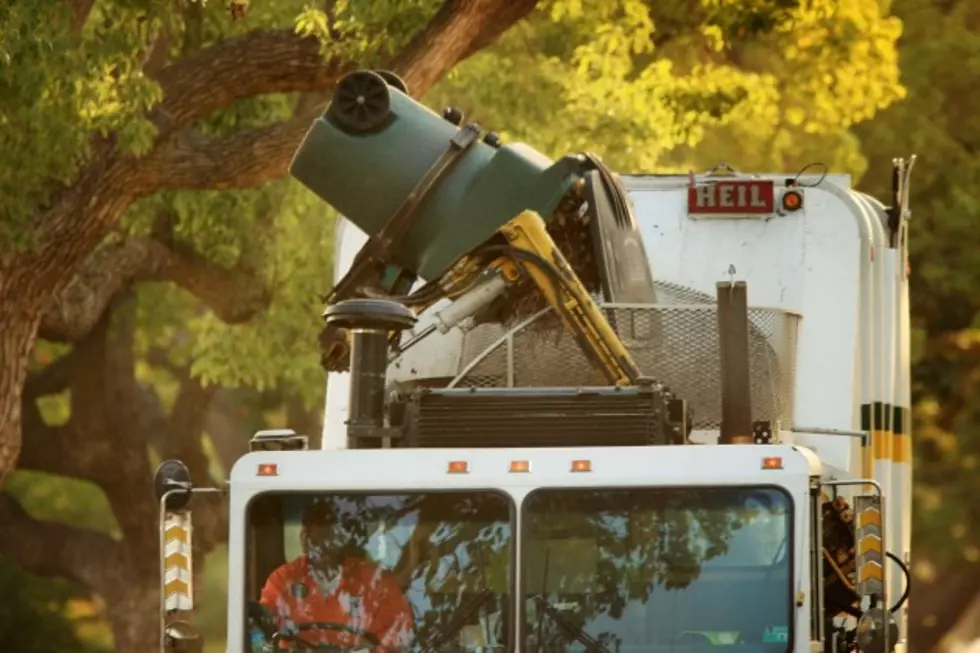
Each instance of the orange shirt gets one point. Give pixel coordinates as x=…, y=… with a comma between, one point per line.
x=365, y=597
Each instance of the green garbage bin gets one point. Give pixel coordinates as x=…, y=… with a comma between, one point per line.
x=374, y=144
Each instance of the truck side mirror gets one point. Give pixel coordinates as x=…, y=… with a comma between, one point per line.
x=174, y=477
x=181, y=637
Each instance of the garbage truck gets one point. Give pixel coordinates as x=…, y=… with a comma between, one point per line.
x=568, y=409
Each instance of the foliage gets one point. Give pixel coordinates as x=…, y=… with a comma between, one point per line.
x=287, y=234
x=940, y=49
x=35, y=614
x=649, y=86
x=368, y=32
x=279, y=346
x=65, y=500
x=61, y=92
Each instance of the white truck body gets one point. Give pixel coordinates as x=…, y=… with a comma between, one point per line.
x=826, y=273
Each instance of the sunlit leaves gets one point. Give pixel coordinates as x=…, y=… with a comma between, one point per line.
x=59, y=89
x=772, y=84
x=366, y=31
x=280, y=344
x=940, y=48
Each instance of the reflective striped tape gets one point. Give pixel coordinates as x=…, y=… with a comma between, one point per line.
x=867, y=534
x=178, y=573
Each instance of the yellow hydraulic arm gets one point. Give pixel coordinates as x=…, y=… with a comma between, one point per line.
x=527, y=251
x=547, y=268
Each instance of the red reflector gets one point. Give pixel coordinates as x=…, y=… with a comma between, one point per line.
x=268, y=469
x=458, y=467
x=792, y=200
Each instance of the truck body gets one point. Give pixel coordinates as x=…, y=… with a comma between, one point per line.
x=710, y=450
x=829, y=345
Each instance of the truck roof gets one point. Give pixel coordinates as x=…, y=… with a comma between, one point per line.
x=406, y=469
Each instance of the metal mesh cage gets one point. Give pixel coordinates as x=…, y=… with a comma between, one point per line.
x=674, y=341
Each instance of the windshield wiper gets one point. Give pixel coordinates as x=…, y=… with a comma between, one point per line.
x=591, y=644
x=460, y=619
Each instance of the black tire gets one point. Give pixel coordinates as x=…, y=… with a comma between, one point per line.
x=394, y=80
x=361, y=102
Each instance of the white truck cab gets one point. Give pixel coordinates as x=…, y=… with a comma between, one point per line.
x=637, y=547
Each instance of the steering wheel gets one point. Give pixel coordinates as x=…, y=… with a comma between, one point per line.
x=298, y=643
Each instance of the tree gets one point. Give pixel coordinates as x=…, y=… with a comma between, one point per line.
x=934, y=121
x=106, y=104
x=138, y=102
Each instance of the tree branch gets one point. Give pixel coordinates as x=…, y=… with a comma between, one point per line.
x=281, y=61
x=81, y=9
x=249, y=158
x=54, y=550
x=52, y=378
x=260, y=62
x=504, y=15
x=264, y=61
x=79, y=307
x=54, y=449
x=244, y=160
x=235, y=295
x=70, y=228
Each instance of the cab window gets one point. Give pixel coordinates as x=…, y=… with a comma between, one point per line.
x=320, y=565
x=649, y=569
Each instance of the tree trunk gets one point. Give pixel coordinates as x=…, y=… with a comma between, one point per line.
x=133, y=613
x=18, y=332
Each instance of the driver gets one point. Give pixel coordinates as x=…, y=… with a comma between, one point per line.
x=333, y=584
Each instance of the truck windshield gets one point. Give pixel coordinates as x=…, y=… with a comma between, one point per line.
x=427, y=571
x=657, y=569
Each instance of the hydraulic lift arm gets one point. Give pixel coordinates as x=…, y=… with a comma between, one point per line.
x=531, y=251
x=523, y=249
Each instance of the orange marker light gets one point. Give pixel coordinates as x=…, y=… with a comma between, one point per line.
x=772, y=463
x=268, y=469
x=520, y=465
x=581, y=465
x=792, y=200
x=458, y=467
